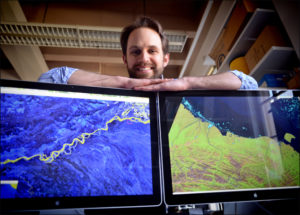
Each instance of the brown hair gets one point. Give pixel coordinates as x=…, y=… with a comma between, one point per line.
x=148, y=23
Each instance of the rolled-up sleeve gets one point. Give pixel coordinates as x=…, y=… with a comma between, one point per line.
x=248, y=83
x=59, y=75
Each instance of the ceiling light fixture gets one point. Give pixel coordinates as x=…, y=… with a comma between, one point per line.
x=73, y=36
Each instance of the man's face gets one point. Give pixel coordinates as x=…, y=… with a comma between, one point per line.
x=144, y=55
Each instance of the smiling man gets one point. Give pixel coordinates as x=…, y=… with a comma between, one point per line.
x=145, y=49
x=145, y=53
x=145, y=58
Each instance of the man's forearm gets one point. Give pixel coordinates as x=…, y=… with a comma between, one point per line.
x=81, y=77
x=222, y=81
x=233, y=80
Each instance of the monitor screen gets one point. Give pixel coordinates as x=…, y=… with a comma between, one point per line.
x=223, y=146
x=66, y=146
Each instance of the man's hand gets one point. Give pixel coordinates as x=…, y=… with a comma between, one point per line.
x=133, y=83
x=167, y=85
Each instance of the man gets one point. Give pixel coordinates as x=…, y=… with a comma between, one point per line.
x=146, y=54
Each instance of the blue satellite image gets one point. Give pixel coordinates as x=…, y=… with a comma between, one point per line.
x=240, y=116
x=66, y=147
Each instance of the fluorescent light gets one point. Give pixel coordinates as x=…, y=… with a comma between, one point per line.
x=41, y=34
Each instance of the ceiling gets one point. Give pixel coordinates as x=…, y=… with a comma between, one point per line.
x=183, y=17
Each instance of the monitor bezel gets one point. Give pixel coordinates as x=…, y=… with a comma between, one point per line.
x=171, y=199
x=154, y=200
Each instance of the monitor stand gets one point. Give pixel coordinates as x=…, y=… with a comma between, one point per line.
x=203, y=209
x=267, y=207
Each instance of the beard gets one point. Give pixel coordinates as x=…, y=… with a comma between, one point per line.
x=156, y=72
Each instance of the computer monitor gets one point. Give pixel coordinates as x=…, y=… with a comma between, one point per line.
x=65, y=146
x=224, y=146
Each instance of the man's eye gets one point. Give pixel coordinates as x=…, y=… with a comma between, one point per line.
x=152, y=51
x=135, y=52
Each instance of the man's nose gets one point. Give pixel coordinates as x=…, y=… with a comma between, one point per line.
x=145, y=56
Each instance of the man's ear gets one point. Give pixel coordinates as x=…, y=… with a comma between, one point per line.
x=166, y=59
x=124, y=59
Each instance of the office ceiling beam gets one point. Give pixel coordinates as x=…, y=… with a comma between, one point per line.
x=96, y=59
x=27, y=61
x=206, y=35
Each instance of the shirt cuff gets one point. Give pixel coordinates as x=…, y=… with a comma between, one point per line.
x=248, y=82
x=59, y=75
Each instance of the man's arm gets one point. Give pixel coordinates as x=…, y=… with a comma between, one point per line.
x=226, y=81
x=81, y=77
x=68, y=75
x=223, y=81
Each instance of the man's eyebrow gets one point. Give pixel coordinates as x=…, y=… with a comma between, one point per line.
x=138, y=47
x=134, y=47
x=154, y=47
